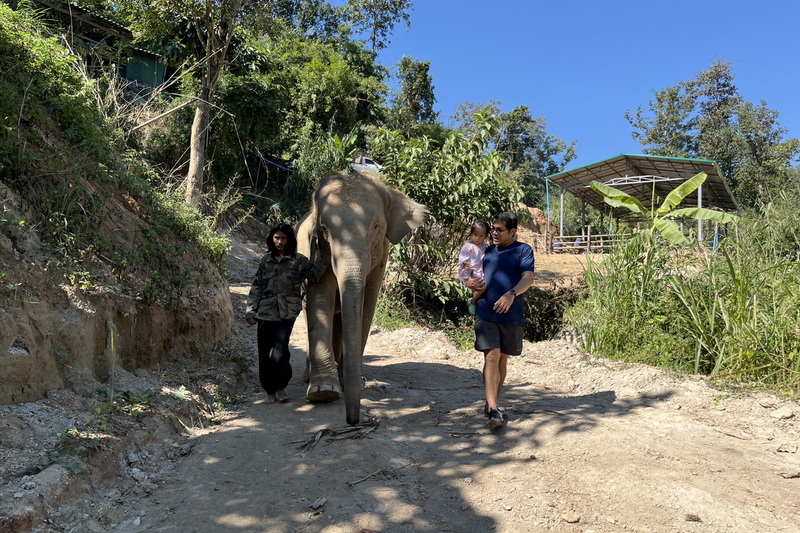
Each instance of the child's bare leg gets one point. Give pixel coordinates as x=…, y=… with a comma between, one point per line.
x=477, y=296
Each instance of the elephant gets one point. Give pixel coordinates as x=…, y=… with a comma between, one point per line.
x=354, y=219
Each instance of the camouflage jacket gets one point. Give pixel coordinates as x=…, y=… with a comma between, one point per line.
x=277, y=290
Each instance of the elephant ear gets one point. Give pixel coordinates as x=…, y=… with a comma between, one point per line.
x=404, y=216
x=306, y=232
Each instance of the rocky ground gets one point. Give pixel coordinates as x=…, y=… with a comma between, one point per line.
x=591, y=445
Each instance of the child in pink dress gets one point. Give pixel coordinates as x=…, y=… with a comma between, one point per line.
x=470, y=259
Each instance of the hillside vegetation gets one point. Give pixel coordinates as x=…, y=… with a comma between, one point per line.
x=98, y=267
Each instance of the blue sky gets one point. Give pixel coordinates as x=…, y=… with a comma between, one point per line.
x=582, y=63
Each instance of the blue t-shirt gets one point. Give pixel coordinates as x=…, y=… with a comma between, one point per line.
x=502, y=270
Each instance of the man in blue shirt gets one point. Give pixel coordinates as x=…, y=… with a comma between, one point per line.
x=500, y=314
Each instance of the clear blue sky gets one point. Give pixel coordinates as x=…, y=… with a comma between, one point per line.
x=582, y=63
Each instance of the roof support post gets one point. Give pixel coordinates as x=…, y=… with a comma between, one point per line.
x=561, y=211
x=583, y=217
x=547, y=195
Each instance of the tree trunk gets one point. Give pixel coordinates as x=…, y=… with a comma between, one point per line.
x=197, y=153
x=218, y=39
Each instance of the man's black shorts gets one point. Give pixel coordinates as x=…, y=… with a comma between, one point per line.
x=507, y=337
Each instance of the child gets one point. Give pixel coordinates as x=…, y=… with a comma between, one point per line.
x=470, y=259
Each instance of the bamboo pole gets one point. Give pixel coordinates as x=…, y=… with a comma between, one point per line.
x=162, y=115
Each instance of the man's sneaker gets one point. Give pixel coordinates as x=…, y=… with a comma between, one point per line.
x=495, y=419
x=486, y=411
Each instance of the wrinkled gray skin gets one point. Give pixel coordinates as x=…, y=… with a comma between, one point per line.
x=355, y=219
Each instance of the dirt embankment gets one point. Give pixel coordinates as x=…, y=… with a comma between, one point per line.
x=591, y=446
x=53, y=335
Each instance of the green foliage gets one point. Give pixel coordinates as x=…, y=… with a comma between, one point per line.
x=41, y=83
x=531, y=152
x=391, y=313
x=461, y=331
x=660, y=219
x=626, y=313
x=190, y=224
x=707, y=118
x=59, y=458
x=232, y=353
x=53, y=457
x=460, y=182
x=109, y=402
x=224, y=399
x=414, y=103
x=8, y=287
x=776, y=227
x=316, y=158
x=174, y=227
x=295, y=96
x=544, y=309
x=400, y=306
x=731, y=314
x=377, y=19
x=60, y=156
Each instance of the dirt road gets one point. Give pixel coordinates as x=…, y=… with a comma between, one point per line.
x=590, y=446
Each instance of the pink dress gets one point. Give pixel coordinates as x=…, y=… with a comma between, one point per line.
x=474, y=255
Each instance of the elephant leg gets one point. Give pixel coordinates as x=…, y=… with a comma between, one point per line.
x=307, y=371
x=338, y=345
x=323, y=379
x=371, y=292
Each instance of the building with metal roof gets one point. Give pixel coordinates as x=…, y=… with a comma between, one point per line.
x=102, y=42
x=645, y=177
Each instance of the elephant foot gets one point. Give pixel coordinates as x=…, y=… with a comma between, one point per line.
x=324, y=392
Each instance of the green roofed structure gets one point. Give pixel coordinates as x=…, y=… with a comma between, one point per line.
x=644, y=177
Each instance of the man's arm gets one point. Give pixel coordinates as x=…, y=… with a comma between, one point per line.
x=504, y=303
x=524, y=284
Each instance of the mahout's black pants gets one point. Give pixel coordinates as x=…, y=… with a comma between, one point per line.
x=274, y=368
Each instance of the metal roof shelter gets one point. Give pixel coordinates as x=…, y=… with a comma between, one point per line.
x=643, y=176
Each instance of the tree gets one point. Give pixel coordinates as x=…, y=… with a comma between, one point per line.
x=286, y=102
x=762, y=167
x=531, y=152
x=668, y=129
x=460, y=181
x=414, y=103
x=213, y=24
x=314, y=19
x=718, y=101
x=707, y=118
x=378, y=18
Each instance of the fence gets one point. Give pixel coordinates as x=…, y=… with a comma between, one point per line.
x=589, y=243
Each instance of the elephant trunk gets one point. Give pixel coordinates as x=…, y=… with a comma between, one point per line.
x=352, y=293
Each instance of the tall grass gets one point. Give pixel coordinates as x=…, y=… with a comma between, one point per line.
x=733, y=313
x=60, y=150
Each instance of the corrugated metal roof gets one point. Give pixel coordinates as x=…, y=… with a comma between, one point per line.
x=643, y=175
x=88, y=17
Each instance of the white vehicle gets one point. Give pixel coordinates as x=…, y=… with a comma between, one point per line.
x=365, y=164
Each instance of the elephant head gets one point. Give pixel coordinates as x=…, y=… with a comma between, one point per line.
x=354, y=219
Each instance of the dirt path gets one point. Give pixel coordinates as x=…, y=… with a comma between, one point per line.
x=590, y=446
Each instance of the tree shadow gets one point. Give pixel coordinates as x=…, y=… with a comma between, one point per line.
x=414, y=472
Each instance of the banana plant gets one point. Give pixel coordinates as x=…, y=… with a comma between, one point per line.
x=661, y=219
